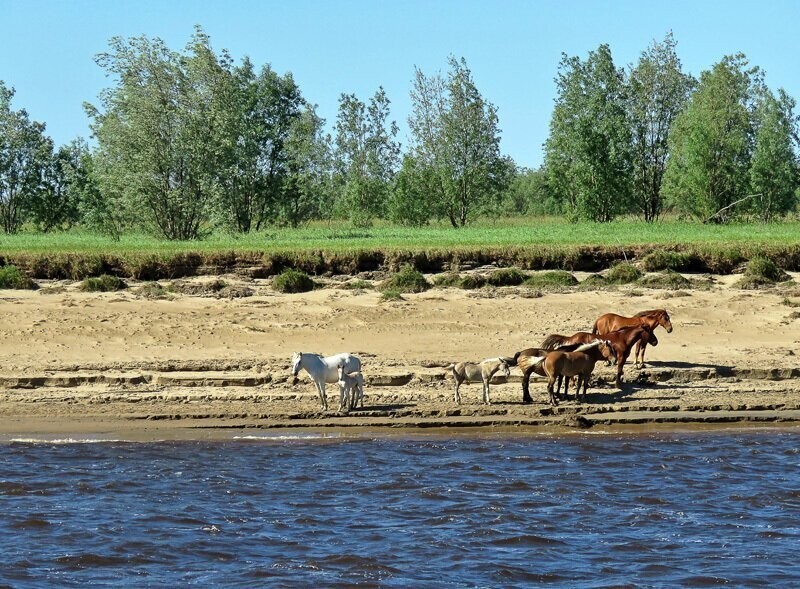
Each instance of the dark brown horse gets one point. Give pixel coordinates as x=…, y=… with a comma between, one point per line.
x=564, y=365
x=651, y=318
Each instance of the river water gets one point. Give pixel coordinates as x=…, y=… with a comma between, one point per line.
x=649, y=510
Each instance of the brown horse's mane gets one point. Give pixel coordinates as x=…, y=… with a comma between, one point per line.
x=651, y=313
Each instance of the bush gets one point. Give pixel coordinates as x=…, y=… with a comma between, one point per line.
x=293, y=281
x=472, y=281
x=550, y=280
x=507, y=277
x=13, y=277
x=407, y=279
x=103, y=283
x=357, y=284
x=594, y=282
x=668, y=279
x=666, y=260
x=152, y=290
x=623, y=273
x=391, y=295
x=766, y=269
x=448, y=280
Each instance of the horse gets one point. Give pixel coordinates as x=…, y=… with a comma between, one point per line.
x=556, y=340
x=580, y=363
x=651, y=318
x=622, y=341
x=324, y=369
x=530, y=361
x=352, y=385
x=471, y=372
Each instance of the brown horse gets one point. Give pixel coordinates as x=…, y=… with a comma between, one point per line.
x=622, y=340
x=558, y=365
x=651, y=318
x=529, y=361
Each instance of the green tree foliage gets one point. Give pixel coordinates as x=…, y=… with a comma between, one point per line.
x=711, y=141
x=367, y=157
x=657, y=92
x=25, y=155
x=159, y=134
x=456, y=144
x=774, y=168
x=529, y=193
x=588, y=153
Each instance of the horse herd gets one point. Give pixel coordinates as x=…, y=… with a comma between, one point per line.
x=559, y=359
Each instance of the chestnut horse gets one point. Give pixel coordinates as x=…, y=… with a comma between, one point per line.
x=558, y=365
x=531, y=360
x=651, y=318
x=622, y=341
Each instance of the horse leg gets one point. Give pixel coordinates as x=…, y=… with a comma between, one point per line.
x=457, y=396
x=322, y=397
x=526, y=396
x=550, y=383
x=566, y=386
x=644, y=347
x=486, y=392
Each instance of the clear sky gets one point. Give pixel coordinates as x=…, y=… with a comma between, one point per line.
x=512, y=47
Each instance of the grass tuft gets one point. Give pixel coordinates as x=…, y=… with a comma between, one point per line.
x=551, y=280
x=623, y=273
x=507, y=277
x=666, y=260
x=293, y=281
x=103, y=283
x=391, y=295
x=668, y=279
x=767, y=269
x=407, y=279
x=13, y=277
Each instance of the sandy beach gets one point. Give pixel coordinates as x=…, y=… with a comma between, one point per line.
x=125, y=365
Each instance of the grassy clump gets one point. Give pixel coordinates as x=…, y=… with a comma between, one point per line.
x=13, y=277
x=551, y=280
x=357, y=284
x=455, y=280
x=594, y=282
x=668, y=279
x=666, y=260
x=623, y=273
x=507, y=277
x=103, y=283
x=153, y=290
x=293, y=281
x=391, y=294
x=767, y=269
x=407, y=279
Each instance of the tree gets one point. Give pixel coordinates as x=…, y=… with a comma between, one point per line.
x=711, y=141
x=529, y=193
x=159, y=133
x=367, y=156
x=456, y=144
x=657, y=91
x=56, y=201
x=588, y=152
x=25, y=151
x=774, y=168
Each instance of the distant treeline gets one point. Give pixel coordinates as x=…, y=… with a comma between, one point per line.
x=189, y=141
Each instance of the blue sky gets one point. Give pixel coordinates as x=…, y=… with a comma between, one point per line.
x=512, y=47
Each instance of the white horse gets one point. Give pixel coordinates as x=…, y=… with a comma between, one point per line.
x=324, y=369
x=353, y=387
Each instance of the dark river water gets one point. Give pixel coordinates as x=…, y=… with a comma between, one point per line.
x=660, y=510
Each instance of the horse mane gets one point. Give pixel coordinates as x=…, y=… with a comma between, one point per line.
x=589, y=346
x=651, y=313
x=552, y=341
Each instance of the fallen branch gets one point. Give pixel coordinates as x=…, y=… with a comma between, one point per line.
x=733, y=204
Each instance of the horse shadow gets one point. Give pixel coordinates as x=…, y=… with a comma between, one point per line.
x=380, y=408
x=722, y=369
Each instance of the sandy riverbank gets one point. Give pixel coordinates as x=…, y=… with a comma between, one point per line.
x=186, y=366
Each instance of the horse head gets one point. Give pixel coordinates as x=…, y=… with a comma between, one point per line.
x=664, y=321
x=607, y=351
x=297, y=358
x=504, y=367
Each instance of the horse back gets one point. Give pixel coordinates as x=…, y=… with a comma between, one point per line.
x=559, y=363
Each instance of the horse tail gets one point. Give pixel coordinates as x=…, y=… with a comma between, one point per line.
x=552, y=341
x=508, y=360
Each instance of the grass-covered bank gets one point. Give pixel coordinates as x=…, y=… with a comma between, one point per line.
x=539, y=243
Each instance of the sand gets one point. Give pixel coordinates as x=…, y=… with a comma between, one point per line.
x=121, y=365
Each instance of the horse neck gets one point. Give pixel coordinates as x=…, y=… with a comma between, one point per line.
x=650, y=321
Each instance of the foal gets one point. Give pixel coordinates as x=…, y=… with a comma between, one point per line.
x=558, y=364
x=470, y=372
x=351, y=389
